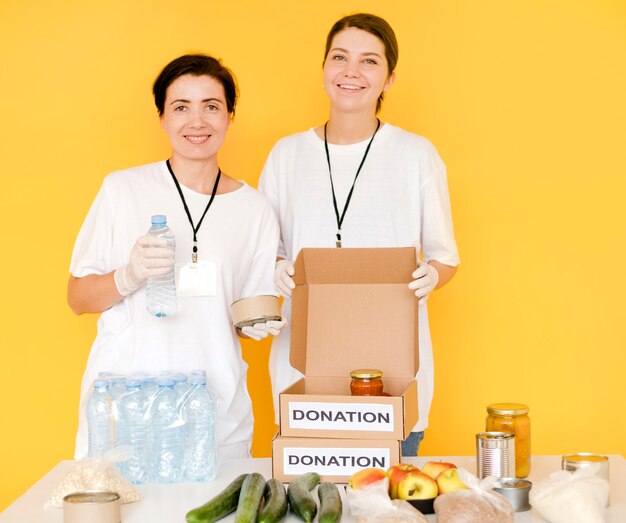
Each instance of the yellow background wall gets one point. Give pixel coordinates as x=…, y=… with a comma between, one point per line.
x=526, y=102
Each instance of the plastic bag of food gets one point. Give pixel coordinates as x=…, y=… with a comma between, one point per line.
x=98, y=473
x=572, y=497
x=371, y=504
x=476, y=504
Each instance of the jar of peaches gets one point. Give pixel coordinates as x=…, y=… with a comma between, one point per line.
x=513, y=418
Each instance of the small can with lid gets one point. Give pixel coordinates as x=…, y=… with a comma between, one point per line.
x=495, y=454
x=513, y=418
x=516, y=491
x=366, y=382
x=92, y=506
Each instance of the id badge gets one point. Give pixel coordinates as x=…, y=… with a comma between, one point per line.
x=196, y=279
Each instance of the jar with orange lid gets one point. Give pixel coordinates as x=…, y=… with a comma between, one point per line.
x=513, y=418
x=366, y=382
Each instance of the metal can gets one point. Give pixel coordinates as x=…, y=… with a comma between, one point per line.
x=495, y=454
x=583, y=460
x=92, y=506
x=255, y=309
x=513, y=417
x=516, y=491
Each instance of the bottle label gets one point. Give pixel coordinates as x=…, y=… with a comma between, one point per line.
x=196, y=279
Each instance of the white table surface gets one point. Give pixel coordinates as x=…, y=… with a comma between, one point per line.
x=170, y=503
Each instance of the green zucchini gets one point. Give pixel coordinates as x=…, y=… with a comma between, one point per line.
x=275, y=506
x=330, y=503
x=300, y=499
x=250, y=498
x=221, y=505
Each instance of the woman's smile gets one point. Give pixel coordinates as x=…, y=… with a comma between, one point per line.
x=196, y=117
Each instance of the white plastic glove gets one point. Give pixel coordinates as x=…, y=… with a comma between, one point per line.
x=282, y=277
x=258, y=331
x=150, y=256
x=426, y=278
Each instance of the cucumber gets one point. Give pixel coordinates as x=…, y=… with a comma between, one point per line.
x=221, y=505
x=330, y=503
x=275, y=506
x=249, y=498
x=300, y=499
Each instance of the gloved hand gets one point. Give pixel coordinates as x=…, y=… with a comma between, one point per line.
x=282, y=277
x=426, y=278
x=150, y=256
x=259, y=331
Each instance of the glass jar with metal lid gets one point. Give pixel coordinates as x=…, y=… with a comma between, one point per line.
x=366, y=382
x=513, y=418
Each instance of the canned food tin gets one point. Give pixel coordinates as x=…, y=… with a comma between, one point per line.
x=495, y=454
x=255, y=309
x=583, y=460
x=92, y=506
x=516, y=491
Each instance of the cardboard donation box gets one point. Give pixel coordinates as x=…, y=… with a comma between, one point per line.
x=333, y=459
x=352, y=309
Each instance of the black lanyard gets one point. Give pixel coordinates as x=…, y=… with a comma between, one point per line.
x=343, y=214
x=195, y=229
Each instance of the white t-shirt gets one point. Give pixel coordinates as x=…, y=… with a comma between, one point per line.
x=239, y=234
x=400, y=198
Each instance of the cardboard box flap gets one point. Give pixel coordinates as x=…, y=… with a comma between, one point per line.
x=352, y=308
x=389, y=265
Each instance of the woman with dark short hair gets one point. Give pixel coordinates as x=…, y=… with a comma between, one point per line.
x=358, y=182
x=225, y=231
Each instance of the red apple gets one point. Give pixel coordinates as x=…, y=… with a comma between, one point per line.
x=449, y=481
x=396, y=473
x=434, y=468
x=364, y=477
x=417, y=485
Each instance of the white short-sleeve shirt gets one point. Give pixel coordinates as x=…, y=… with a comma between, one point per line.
x=400, y=198
x=239, y=235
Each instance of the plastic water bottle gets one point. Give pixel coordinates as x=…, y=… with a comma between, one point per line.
x=180, y=383
x=168, y=434
x=117, y=388
x=198, y=410
x=99, y=426
x=133, y=430
x=161, y=290
x=149, y=386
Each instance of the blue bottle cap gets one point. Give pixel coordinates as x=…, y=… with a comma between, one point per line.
x=133, y=382
x=202, y=372
x=197, y=379
x=100, y=384
x=159, y=219
x=165, y=382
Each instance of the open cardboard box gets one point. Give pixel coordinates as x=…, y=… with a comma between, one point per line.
x=334, y=460
x=352, y=309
